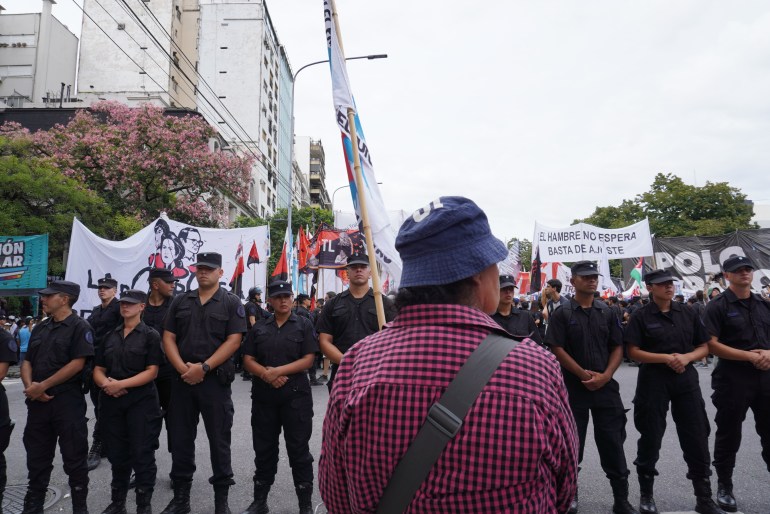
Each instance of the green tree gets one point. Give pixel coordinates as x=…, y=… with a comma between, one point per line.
x=678, y=209
x=525, y=251
x=38, y=199
x=307, y=217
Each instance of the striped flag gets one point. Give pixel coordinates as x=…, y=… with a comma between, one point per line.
x=383, y=234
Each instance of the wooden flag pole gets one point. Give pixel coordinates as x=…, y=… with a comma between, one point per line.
x=360, y=186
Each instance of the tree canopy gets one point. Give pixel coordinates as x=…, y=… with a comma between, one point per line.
x=678, y=209
x=39, y=199
x=142, y=162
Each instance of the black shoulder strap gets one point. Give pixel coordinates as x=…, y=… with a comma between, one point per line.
x=444, y=421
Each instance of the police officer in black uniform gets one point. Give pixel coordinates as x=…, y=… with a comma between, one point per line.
x=667, y=337
x=351, y=315
x=254, y=313
x=203, y=329
x=277, y=352
x=8, y=349
x=516, y=321
x=739, y=323
x=104, y=318
x=56, y=407
x=162, y=284
x=124, y=369
x=587, y=339
x=254, y=310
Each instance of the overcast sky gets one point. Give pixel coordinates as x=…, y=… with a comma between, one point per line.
x=536, y=110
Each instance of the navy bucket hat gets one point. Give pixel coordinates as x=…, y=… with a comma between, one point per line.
x=445, y=242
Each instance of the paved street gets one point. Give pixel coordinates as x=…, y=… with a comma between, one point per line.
x=673, y=491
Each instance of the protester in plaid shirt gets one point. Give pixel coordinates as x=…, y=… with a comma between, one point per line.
x=517, y=448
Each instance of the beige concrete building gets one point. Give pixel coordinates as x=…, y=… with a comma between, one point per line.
x=137, y=52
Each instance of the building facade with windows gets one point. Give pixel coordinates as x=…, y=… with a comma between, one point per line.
x=37, y=55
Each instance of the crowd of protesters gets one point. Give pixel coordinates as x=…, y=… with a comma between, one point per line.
x=402, y=431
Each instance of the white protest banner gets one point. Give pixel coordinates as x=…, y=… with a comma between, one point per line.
x=162, y=244
x=586, y=242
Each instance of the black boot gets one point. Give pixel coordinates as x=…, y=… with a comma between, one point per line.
x=305, y=497
x=33, y=502
x=144, y=501
x=180, y=503
x=259, y=505
x=95, y=455
x=725, y=497
x=704, y=503
x=220, y=499
x=646, y=500
x=620, y=494
x=118, y=505
x=80, y=499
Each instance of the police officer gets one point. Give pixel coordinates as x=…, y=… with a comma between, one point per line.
x=124, y=369
x=277, y=352
x=254, y=313
x=8, y=350
x=104, y=318
x=516, y=321
x=203, y=329
x=667, y=337
x=254, y=310
x=739, y=323
x=587, y=339
x=162, y=284
x=56, y=407
x=351, y=315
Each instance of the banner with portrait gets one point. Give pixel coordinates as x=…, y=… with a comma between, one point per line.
x=166, y=244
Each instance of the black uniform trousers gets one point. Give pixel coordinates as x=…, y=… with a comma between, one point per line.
x=289, y=407
x=94, y=393
x=63, y=418
x=6, y=427
x=738, y=388
x=131, y=426
x=213, y=402
x=163, y=384
x=656, y=387
x=609, y=416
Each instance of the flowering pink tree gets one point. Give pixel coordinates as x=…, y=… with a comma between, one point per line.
x=142, y=162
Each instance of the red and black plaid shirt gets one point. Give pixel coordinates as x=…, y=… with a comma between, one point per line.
x=516, y=450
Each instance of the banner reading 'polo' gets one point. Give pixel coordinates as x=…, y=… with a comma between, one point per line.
x=587, y=242
x=162, y=244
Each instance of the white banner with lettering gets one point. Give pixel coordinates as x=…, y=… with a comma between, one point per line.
x=586, y=242
x=164, y=243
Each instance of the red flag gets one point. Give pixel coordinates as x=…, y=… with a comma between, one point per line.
x=281, y=271
x=236, y=283
x=303, y=250
x=253, y=255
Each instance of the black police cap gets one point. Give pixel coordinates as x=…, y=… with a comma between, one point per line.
x=584, y=268
x=737, y=262
x=658, y=276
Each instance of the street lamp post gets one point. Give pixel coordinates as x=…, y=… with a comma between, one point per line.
x=342, y=187
x=293, y=83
